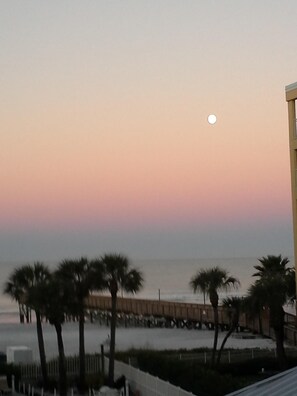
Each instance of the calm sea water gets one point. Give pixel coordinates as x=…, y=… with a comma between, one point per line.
x=170, y=278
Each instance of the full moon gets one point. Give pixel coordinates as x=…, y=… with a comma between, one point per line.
x=212, y=119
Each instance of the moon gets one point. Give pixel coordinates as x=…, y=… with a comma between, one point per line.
x=212, y=119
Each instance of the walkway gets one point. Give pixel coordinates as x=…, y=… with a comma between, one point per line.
x=186, y=315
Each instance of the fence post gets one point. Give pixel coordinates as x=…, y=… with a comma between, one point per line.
x=146, y=383
x=102, y=358
x=229, y=356
x=12, y=384
x=126, y=387
x=167, y=388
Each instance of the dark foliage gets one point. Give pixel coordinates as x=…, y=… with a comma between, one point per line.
x=199, y=378
x=189, y=375
x=9, y=370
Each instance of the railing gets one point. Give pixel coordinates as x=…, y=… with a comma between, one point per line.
x=196, y=313
x=166, y=309
x=232, y=355
x=145, y=384
x=33, y=370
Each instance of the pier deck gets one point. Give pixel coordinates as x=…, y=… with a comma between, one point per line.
x=186, y=315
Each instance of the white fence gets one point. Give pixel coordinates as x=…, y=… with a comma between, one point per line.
x=93, y=362
x=33, y=370
x=144, y=383
x=141, y=382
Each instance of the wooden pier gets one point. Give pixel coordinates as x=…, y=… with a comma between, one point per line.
x=185, y=315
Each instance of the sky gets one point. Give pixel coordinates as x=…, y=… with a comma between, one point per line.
x=105, y=144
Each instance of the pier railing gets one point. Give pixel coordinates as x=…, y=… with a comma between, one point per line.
x=190, y=315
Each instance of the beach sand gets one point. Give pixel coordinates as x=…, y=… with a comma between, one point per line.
x=126, y=338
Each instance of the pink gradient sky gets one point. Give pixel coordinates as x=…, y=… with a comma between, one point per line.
x=104, y=134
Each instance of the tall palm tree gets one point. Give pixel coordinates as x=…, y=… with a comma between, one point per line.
x=233, y=305
x=273, y=288
x=272, y=265
x=118, y=275
x=210, y=282
x=23, y=285
x=56, y=301
x=77, y=274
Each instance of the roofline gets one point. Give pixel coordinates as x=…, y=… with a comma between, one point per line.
x=260, y=384
x=290, y=87
x=291, y=92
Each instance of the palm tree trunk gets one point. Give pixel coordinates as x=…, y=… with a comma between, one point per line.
x=21, y=314
x=62, y=365
x=277, y=315
x=280, y=350
x=230, y=331
x=216, y=334
x=82, y=368
x=112, y=339
x=28, y=320
x=41, y=349
x=260, y=323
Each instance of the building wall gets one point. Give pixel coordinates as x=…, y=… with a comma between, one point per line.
x=291, y=97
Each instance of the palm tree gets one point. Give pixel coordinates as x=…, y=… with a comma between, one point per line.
x=77, y=274
x=56, y=300
x=253, y=307
x=210, y=282
x=272, y=265
x=291, y=279
x=273, y=288
x=233, y=305
x=118, y=275
x=23, y=285
x=14, y=287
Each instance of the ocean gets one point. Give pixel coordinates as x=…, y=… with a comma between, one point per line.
x=168, y=279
